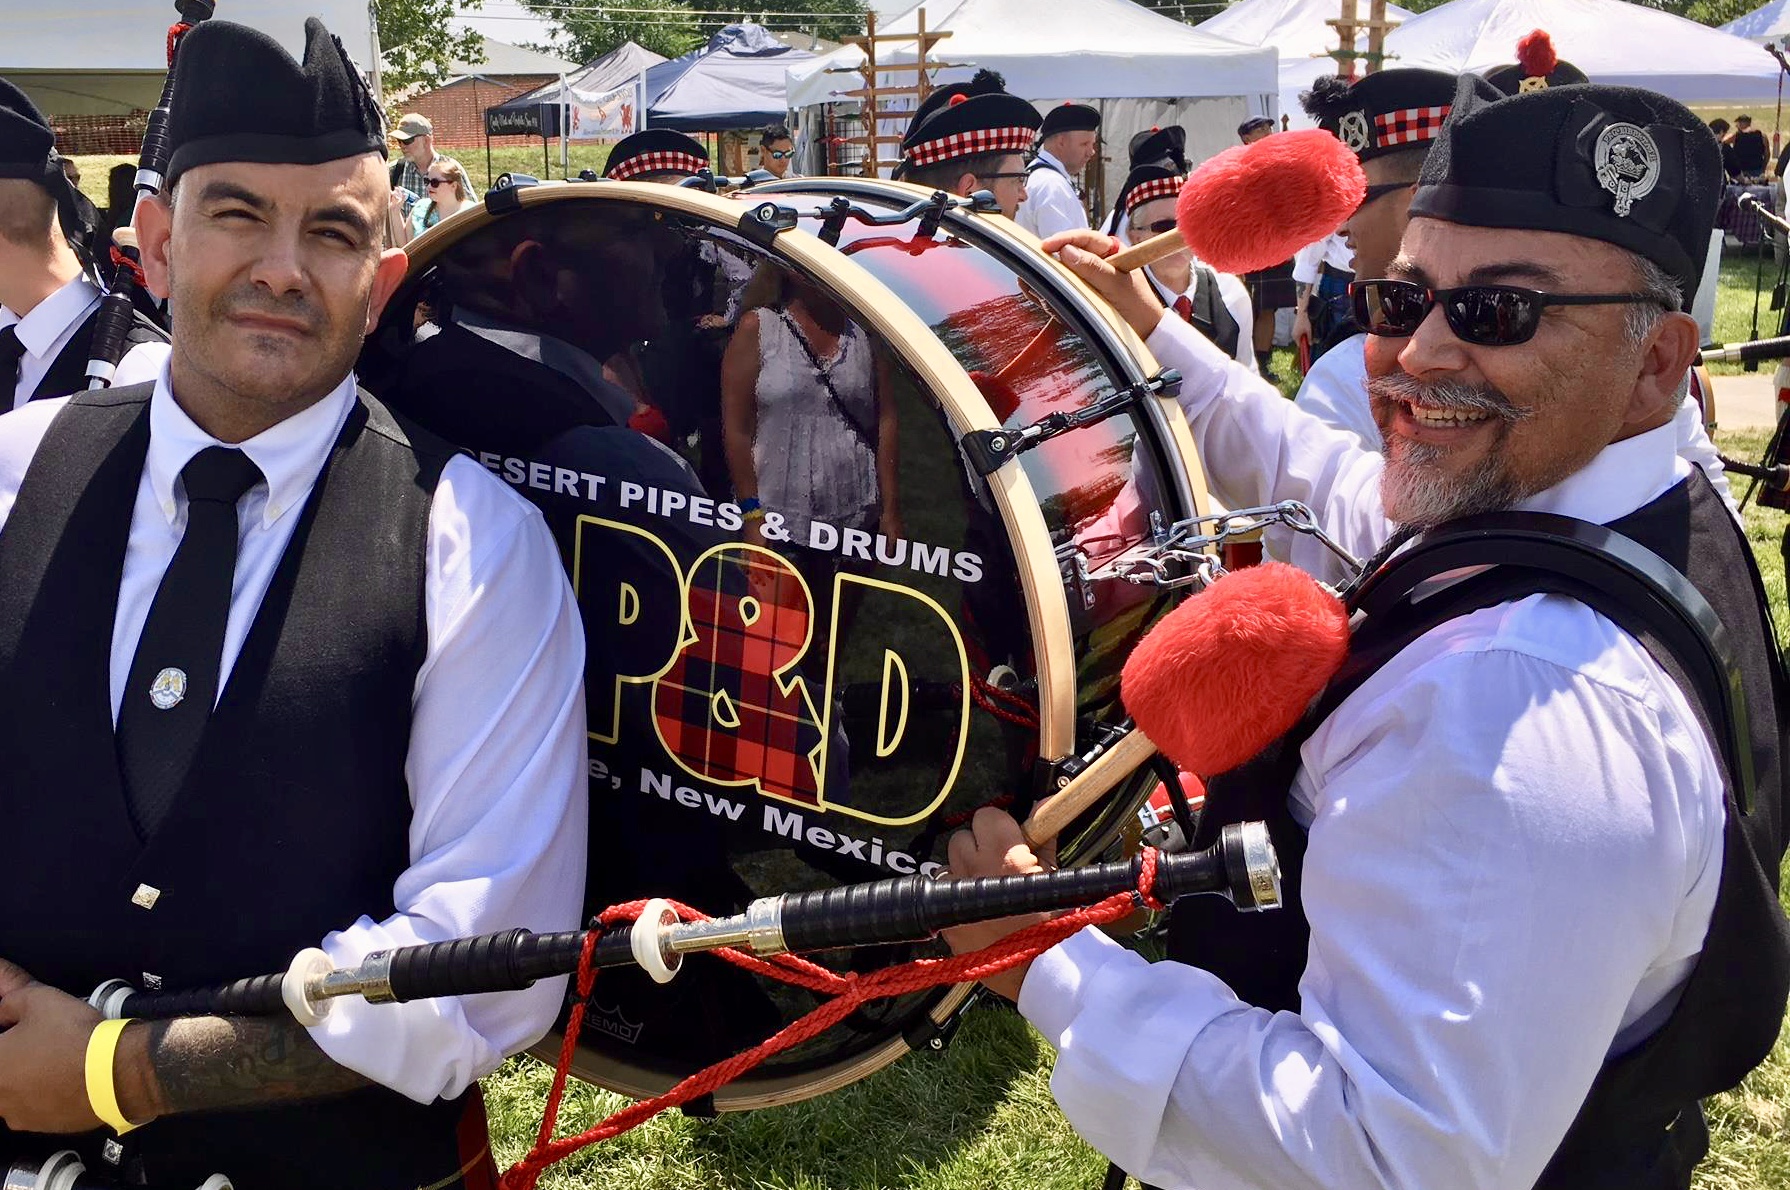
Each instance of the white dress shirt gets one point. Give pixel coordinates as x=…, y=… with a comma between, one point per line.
x=496, y=765
x=47, y=329
x=1335, y=391
x=1235, y=296
x=1332, y=250
x=1051, y=203
x=1515, y=844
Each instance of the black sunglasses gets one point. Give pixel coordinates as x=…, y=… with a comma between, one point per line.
x=995, y=177
x=1161, y=226
x=1484, y=315
x=781, y=154
x=432, y=183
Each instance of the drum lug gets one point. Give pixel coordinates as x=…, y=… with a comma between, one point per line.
x=934, y=1036
x=764, y=221
x=989, y=450
x=1053, y=776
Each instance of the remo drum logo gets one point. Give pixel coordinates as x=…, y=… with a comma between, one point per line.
x=744, y=675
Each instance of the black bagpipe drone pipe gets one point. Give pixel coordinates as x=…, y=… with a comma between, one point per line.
x=118, y=308
x=1221, y=676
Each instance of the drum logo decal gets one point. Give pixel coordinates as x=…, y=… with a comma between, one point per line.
x=1628, y=164
x=168, y=689
x=743, y=691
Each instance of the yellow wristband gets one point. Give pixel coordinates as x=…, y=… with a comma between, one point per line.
x=102, y=1093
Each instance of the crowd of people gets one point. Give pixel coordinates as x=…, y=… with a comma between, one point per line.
x=283, y=669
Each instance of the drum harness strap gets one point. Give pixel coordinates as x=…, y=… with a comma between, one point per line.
x=848, y=992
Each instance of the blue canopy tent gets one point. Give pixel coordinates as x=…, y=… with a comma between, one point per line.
x=736, y=81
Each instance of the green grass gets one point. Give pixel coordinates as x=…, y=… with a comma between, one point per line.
x=979, y=1116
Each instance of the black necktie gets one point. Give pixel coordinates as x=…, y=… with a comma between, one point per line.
x=174, y=676
x=11, y=352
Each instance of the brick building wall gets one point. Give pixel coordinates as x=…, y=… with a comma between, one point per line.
x=458, y=109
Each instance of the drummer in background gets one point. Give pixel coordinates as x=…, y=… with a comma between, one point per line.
x=48, y=307
x=1067, y=141
x=398, y=752
x=1431, y=1014
x=1215, y=303
x=969, y=137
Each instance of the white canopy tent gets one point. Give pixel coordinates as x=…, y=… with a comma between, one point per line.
x=107, y=57
x=1610, y=40
x=1297, y=32
x=1138, y=67
x=1767, y=25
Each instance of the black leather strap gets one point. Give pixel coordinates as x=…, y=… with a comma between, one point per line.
x=1612, y=573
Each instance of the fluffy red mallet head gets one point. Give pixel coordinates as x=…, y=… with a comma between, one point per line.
x=1229, y=671
x=1253, y=206
x=1535, y=54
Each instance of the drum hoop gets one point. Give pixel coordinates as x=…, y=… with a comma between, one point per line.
x=1122, y=344
x=1047, y=603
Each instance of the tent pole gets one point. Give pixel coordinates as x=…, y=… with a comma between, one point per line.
x=565, y=129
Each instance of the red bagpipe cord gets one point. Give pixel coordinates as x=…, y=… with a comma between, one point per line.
x=175, y=32
x=127, y=264
x=848, y=992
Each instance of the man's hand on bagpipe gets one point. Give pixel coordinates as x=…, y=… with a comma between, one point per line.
x=43, y=1048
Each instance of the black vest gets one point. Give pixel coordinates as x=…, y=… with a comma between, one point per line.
x=1211, y=317
x=68, y=374
x=1641, y=1126
x=294, y=818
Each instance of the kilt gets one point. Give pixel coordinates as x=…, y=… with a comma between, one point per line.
x=1272, y=288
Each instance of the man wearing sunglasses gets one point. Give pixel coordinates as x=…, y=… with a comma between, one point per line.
x=1536, y=925
x=777, y=152
x=970, y=137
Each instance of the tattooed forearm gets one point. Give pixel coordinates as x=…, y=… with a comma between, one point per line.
x=208, y=1063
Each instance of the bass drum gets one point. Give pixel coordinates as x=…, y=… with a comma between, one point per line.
x=819, y=689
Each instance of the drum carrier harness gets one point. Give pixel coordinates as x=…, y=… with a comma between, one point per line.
x=1641, y=1125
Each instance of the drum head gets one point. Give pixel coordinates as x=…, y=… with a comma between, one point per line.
x=815, y=685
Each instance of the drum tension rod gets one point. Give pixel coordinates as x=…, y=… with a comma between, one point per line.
x=988, y=450
x=1053, y=776
x=929, y=211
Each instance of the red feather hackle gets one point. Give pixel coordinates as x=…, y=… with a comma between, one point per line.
x=1535, y=53
x=1254, y=206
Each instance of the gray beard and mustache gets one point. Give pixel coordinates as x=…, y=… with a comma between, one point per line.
x=1413, y=488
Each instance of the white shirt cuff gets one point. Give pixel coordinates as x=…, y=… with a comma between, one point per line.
x=1051, y=994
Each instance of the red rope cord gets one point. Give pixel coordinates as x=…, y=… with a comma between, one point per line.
x=128, y=265
x=848, y=991
x=1002, y=704
x=175, y=32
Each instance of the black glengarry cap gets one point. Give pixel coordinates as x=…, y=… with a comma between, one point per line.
x=1619, y=164
x=239, y=96
x=1069, y=117
x=27, y=143
x=1386, y=112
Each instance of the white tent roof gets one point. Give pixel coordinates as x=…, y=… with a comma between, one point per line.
x=1066, y=49
x=1610, y=40
x=1770, y=23
x=1295, y=30
x=78, y=57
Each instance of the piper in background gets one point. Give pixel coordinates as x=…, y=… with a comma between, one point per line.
x=656, y=155
x=48, y=307
x=222, y=742
x=969, y=137
x=1529, y=924
x=1067, y=141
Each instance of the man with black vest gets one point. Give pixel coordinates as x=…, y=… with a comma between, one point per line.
x=280, y=671
x=1215, y=303
x=1531, y=846
x=48, y=306
x=1067, y=141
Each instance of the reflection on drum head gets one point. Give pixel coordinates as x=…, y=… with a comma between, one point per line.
x=793, y=590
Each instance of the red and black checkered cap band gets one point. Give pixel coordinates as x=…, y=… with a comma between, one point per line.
x=1137, y=196
x=654, y=163
x=1411, y=126
x=969, y=144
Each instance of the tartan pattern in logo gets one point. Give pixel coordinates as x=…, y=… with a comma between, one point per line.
x=1158, y=188
x=1411, y=126
x=657, y=162
x=721, y=708
x=968, y=144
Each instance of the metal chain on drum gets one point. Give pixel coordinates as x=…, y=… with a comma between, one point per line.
x=1186, y=553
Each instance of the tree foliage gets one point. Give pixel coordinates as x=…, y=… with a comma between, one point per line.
x=673, y=27
x=416, y=42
